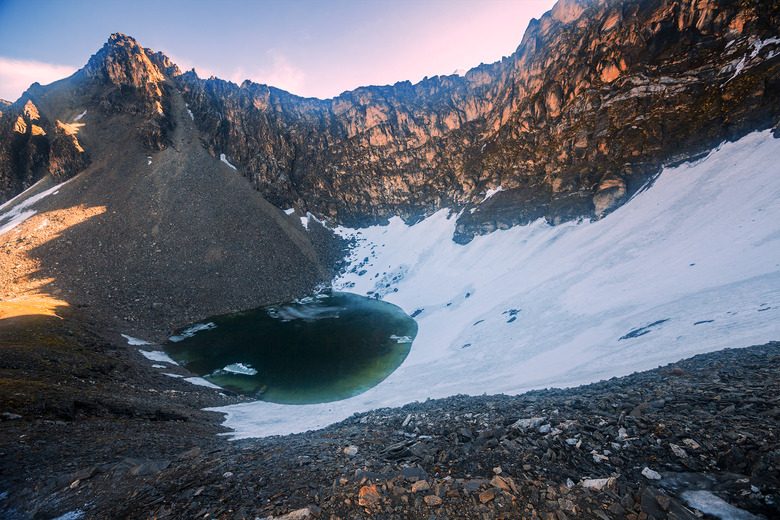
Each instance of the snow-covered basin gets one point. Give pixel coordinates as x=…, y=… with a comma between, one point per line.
x=700, y=249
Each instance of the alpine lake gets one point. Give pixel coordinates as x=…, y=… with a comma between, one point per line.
x=317, y=349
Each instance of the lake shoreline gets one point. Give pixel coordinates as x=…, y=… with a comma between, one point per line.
x=105, y=434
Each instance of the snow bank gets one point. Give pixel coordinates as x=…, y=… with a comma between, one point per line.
x=17, y=212
x=199, y=381
x=157, y=355
x=134, y=341
x=690, y=265
x=712, y=505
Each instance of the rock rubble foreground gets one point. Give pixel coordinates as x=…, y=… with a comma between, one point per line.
x=682, y=441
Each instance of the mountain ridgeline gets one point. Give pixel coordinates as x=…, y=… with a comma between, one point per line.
x=596, y=99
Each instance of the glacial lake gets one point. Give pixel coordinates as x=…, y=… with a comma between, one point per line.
x=317, y=349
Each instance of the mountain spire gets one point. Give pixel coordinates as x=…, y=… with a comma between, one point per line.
x=122, y=61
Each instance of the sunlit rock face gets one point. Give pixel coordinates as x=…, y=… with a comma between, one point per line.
x=32, y=145
x=597, y=97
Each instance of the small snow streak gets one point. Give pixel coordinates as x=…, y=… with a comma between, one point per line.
x=18, y=213
x=492, y=192
x=134, y=341
x=224, y=160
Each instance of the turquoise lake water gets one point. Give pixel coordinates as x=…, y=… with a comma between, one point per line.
x=314, y=350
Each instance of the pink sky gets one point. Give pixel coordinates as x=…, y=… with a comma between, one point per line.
x=308, y=47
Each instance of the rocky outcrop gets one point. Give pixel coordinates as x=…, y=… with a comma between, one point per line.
x=596, y=99
x=132, y=79
x=32, y=146
x=121, y=78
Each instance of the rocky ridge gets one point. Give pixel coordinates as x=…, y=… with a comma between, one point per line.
x=597, y=97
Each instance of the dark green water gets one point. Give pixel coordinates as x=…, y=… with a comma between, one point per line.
x=314, y=350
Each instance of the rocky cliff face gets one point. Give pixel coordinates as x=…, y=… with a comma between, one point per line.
x=598, y=96
x=32, y=146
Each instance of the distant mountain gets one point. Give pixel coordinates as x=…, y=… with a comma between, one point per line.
x=597, y=97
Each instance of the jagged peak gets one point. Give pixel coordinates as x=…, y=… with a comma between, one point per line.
x=163, y=63
x=122, y=61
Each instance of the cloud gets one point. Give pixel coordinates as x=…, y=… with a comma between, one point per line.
x=17, y=75
x=279, y=73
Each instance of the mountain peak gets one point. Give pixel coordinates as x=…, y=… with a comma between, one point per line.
x=122, y=61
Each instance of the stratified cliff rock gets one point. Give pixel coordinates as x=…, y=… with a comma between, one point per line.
x=598, y=96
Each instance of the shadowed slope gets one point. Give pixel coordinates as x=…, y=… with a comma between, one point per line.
x=165, y=236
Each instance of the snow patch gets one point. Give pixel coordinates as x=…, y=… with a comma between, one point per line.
x=492, y=192
x=739, y=66
x=157, y=355
x=224, y=160
x=710, y=504
x=18, y=212
x=308, y=218
x=289, y=211
x=159, y=366
x=75, y=119
x=172, y=375
x=134, y=341
x=189, y=111
x=541, y=306
x=188, y=333
x=201, y=382
x=760, y=44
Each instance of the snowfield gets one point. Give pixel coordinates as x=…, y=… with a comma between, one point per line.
x=689, y=265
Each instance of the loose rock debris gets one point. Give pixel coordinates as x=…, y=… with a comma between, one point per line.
x=646, y=446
